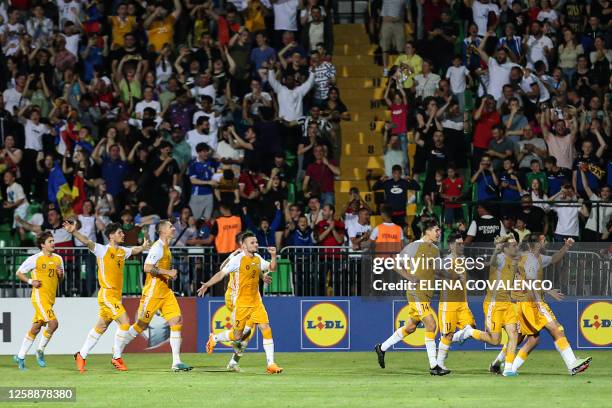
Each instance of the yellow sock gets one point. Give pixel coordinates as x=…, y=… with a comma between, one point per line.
x=522, y=354
x=477, y=334
x=510, y=359
x=267, y=333
x=405, y=331
x=137, y=328
x=562, y=343
x=100, y=331
x=176, y=327
x=31, y=335
x=445, y=341
x=46, y=333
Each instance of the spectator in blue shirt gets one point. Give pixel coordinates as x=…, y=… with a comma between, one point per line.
x=114, y=166
x=266, y=232
x=469, y=49
x=486, y=180
x=262, y=53
x=201, y=171
x=510, y=185
x=302, y=235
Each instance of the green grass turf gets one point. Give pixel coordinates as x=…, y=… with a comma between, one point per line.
x=319, y=380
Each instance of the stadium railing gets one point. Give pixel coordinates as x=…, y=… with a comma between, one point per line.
x=302, y=271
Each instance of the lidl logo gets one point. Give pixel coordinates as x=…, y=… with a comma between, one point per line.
x=596, y=323
x=417, y=338
x=325, y=324
x=221, y=321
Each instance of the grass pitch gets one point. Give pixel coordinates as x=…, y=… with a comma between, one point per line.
x=318, y=380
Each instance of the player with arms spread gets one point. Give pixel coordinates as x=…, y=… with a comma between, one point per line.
x=158, y=296
x=535, y=314
x=47, y=269
x=419, y=301
x=110, y=259
x=247, y=268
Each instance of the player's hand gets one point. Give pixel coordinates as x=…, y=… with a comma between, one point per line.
x=70, y=227
x=556, y=294
x=172, y=274
x=202, y=290
x=267, y=279
x=272, y=251
x=36, y=284
x=146, y=244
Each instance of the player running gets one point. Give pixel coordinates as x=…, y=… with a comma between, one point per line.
x=110, y=259
x=246, y=267
x=158, y=296
x=420, y=309
x=453, y=310
x=47, y=269
x=535, y=314
x=498, y=308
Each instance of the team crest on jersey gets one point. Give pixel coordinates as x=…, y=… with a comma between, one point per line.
x=44, y=266
x=325, y=324
x=595, y=324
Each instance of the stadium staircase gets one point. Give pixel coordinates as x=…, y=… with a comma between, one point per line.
x=361, y=86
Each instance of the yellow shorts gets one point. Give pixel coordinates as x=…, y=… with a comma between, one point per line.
x=419, y=307
x=110, y=306
x=453, y=316
x=533, y=316
x=43, y=311
x=252, y=315
x=168, y=306
x=498, y=315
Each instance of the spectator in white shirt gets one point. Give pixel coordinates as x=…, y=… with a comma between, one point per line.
x=147, y=102
x=15, y=198
x=499, y=68
x=426, y=81
x=480, y=13
x=290, y=97
x=459, y=76
x=567, y=208
x=39, y=27
x=538, y=46
x=201, y=134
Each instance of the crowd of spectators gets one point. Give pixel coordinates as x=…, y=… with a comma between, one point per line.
x=508, y=103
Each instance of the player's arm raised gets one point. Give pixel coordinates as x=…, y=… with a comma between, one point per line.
x=146, y=245
x=71, y=227
x=561, y=252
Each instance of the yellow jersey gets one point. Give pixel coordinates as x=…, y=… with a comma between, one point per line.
x=453, y=298
x=44, y=269
x=161, y=33
x=157, y=286
x=110, y=267
x=121, y=28
x=422, y=258
x=501, y=276
x=531, y=267
x=244, y=271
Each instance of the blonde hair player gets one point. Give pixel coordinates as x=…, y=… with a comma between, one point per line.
x=498, y=307
x=46, y=269
x=419, y=301
x=535, y=314
x=247, y=267
x=111, y=260
x=158, y=296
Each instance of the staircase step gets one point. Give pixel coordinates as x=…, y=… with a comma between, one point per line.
x=344, y=186
x=360, y=173
x=373, y=148
x=356, y=83
x=354, y=49
x=361, y=126
x=348, y=71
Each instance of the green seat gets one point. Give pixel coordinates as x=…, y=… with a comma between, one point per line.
x=131, y=277
x=281, y=279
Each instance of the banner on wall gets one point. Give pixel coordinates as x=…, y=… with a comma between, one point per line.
x=325, y=324
x=76, y=317
x=594, y=323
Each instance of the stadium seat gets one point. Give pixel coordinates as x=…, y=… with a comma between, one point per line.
x=281, y=279
x=131, y=277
